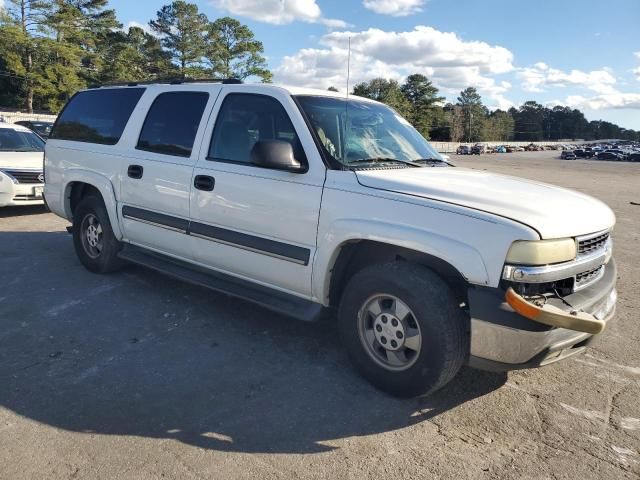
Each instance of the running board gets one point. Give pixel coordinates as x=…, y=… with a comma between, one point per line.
x=266, y=297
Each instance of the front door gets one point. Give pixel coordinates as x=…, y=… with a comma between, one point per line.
x=253, y=222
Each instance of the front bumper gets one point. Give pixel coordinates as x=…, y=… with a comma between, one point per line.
x=502, y=339
x=12, y=194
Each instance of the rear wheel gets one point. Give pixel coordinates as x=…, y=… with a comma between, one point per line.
x=403, y=328
x=95, y=244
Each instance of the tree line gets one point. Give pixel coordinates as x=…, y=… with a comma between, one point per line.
x=469, y=120
x=49, y=49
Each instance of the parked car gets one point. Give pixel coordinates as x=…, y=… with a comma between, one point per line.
x=501, y=149
x=463, y=150
x=477, y=150
x=609, y=156
x=21, y=177
x=250, y=190
x=633, y=157
x=567, y=155
x=40, y=127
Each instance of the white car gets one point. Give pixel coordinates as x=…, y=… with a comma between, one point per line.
x=306, y=202
x=21, y=163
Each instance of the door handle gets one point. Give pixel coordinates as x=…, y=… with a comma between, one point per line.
x=135, y=171
x=204, y=182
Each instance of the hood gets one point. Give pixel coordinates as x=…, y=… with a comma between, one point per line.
x=19, y=160
x=553, y=211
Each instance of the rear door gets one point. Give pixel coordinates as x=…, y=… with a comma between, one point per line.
x=156, y=176
x=253, y=222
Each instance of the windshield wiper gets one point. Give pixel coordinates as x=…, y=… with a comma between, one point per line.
x=383, y=160
x=430, y=160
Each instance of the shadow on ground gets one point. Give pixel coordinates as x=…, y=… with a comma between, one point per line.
x=6, y=212
x=135, y=353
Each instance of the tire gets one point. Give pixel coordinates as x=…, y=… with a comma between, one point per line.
x=103, y=256
x=433, y=312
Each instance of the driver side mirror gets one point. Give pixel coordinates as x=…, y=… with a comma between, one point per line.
x=276, y=155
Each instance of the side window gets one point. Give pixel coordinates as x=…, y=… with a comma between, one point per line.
x=245, y=119
x=96, y=116
x=172, y=123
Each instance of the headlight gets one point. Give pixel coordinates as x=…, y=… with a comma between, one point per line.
x=541, y=252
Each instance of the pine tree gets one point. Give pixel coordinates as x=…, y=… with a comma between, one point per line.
x=424, y=100
x=385, y=91
x=474, y=114
x=233, y=52
x=182, y=30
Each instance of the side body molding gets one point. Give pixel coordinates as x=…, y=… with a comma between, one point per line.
x=461, y=256
x=100, y=182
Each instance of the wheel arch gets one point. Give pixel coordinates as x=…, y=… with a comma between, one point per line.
x=355, y=255
x=79, y=184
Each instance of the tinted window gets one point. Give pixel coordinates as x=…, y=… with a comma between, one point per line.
x=245, y=119
x=97, y=116
x=172, y=123
x=19, y=141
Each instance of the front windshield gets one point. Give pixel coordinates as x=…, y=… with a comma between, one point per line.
x=20, y=141
x=355, y=132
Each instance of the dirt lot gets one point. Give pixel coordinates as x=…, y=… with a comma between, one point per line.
x=134, y=375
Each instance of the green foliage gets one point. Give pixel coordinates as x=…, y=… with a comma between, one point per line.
x=49, y=49
x=233, y=52
x=181, y=28
x=385, y=91
x=425, y=103
x=135, y=55
x=474, y=114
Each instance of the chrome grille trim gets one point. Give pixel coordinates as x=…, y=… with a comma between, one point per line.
x=24, y=176
x=592, y=242
x=584, y=279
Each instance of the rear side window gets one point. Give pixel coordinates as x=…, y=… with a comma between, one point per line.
x=172, y=123
x=97, y=116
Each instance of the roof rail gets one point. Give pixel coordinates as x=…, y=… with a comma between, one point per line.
x=169, y=80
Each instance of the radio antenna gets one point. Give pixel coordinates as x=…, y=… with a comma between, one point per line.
x=348, y=65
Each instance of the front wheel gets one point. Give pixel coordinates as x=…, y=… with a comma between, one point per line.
x=95, y=244
x=403, y=328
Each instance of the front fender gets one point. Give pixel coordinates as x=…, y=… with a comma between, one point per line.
x=100, y=182
x=464, y=258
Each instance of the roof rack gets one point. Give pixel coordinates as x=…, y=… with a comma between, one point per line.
x=170, y=81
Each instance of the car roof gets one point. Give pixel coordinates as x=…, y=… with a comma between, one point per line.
x=13, y=126
x=291, y=90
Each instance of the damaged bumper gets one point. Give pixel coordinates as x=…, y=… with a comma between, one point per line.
x=531, y=335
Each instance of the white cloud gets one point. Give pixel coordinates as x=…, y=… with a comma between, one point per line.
x=637, y=54
x=602, y=82
x=1, y=4
x=541, y=76
x=396, y=8
x=278, y=12
x=424, y=47
x=636, y=72
x=143, y=26
x=450, y=62
x=609, y=100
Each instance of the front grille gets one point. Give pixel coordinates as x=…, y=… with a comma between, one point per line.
x=25, y=176
x=26, y=198
x=588, y=245
x=585, y=278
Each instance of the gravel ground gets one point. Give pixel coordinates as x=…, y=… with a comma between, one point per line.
x=134, y=375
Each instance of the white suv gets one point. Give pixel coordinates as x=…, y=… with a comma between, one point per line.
x=305, y=202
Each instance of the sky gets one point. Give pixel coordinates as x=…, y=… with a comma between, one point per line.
x=581, y=53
